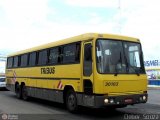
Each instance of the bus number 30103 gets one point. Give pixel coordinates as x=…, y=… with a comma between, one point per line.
x=111, y=84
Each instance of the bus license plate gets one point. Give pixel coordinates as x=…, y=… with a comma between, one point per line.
x=128, y=100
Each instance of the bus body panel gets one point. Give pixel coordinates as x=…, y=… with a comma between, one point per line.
x=33, y=77
x=120, y=84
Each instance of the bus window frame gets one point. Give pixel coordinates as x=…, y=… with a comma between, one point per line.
x=48, y=52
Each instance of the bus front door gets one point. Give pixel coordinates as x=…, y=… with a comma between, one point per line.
x=87, y=72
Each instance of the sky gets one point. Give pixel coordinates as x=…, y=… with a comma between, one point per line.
x=28, y=23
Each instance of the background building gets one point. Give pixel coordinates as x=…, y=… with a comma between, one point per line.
x=153, y=72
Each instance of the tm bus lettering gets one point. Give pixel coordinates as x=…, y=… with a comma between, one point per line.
x=48, y=70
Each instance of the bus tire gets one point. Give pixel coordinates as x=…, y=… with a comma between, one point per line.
x=18, y=91
x=24, y=93
x=71, y=101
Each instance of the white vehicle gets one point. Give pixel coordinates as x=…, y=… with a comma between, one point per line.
x=2, y=82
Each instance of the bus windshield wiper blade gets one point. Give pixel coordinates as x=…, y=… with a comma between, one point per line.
x=136, y=71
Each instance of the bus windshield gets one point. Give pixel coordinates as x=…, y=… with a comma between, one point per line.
x=119, y=57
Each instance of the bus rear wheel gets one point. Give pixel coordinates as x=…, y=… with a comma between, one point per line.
x=24, y=93
x=71, y=101
x=18, y=91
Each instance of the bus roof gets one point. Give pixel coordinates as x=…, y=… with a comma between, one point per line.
x=82, y=37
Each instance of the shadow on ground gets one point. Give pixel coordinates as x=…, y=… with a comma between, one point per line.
x=83, y=112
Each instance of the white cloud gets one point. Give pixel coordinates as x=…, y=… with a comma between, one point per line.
x=27, y=24
x=24, y=12
x=142, y=21
x=95, y=19
x=93, y=3
x=21, y=16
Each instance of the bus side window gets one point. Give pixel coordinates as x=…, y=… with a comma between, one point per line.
x=69, y=53
x=24, y=60
x=42, y=58
x=10, y=62
x=54, y=55
x=32, y=59
x=78, y=50
x=15, y=61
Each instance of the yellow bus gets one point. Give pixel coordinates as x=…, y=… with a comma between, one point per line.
x=93, y=70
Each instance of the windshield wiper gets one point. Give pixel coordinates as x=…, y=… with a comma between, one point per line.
x=136, y=71
x=134, y=68
x=116, y=74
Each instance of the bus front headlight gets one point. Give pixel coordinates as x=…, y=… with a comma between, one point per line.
x=111, y=101
x=144, y=97
x=106, y=101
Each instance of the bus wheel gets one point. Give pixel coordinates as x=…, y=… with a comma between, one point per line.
x=24, y=93
x=18, y=91
x=71, y=101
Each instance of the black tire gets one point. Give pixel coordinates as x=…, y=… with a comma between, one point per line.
x=24, y=93
x=18, y=91
x=71, y=101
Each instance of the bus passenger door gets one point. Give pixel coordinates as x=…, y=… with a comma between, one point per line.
x=87, y=72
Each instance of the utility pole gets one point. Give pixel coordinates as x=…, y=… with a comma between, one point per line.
x=119, y=19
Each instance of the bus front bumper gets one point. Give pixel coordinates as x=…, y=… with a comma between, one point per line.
x=100, y=101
